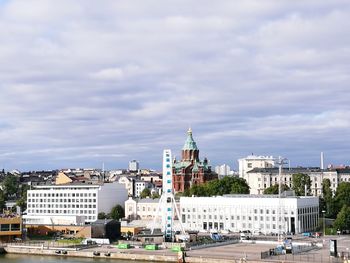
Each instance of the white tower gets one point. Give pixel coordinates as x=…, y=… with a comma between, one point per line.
x=167, y=205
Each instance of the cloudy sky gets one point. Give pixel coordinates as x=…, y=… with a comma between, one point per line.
x=86, y=82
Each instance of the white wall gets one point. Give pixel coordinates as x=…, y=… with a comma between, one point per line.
x=244, y=212
x=110, y=195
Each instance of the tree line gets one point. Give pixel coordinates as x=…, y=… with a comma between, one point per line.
x=226, y=185
x=11, y=189
x=336, y=205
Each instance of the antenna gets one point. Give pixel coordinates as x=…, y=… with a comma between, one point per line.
x=103, y=172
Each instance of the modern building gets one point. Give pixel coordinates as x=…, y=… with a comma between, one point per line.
x=72, y=204
x=267, y=214
x=190, y=169
x=134, y=166
x=10, y=228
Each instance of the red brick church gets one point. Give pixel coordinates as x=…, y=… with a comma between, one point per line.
x=190, y=169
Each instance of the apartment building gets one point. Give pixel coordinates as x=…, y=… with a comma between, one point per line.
x=261, y=178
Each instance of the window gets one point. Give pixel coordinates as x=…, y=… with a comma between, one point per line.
x=5, y=227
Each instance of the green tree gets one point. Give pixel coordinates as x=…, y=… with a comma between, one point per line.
x=102, y=215
x=239, y=186
x=342, y=196
x=117, y=212
x=342, y=222
x=155, y=195
x=227, y=185
x=327, y=202
x=22, y=200
x=10, y=185
x=198, y=190
x=2, y=200
x=301, y=180
x=273, y=189
x=145, y=193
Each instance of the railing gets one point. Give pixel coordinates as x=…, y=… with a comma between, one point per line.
x=213, y=244
x=308, y=257
x=49, y=245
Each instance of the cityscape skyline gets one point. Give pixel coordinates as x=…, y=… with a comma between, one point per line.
x=84, y=83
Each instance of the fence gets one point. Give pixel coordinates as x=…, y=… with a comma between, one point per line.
x=49, y=245
x=307, y=257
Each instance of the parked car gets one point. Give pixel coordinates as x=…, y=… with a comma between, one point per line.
x=245, y=235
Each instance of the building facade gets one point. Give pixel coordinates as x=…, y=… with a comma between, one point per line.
x=139, y=186
x=144, y=209
x=261, y=178
x=128, y=182
x=267, y=214
x=190, y=169
x=10, y=228
x=72, y=203
x=254, y=161
x=223, y=170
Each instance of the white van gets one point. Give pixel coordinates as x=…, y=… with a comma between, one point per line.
x=245, y=235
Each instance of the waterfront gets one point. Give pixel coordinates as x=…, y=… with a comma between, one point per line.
x=17, y=258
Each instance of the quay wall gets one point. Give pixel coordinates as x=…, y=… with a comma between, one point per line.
x=127, y=256
x=90, y=254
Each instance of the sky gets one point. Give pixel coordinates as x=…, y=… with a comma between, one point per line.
x=89, y=82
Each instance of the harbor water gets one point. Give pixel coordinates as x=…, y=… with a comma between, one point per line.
x=18, y=258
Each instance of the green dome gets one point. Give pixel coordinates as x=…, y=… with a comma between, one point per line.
x=190, y=144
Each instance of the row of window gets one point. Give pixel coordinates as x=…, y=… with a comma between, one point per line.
x=232, y=218
x=61, y=194
x=10, y=227
x=60, y=206
x=218, y=225
x=59, y=211
x=74, y=200
x=304, y=210
x=210, y=210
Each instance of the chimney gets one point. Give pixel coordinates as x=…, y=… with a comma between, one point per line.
x=322, y=167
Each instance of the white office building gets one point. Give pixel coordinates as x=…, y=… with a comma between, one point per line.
x=72, y=204
x=267, y=214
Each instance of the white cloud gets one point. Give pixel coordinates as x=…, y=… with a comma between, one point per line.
x=245, y=75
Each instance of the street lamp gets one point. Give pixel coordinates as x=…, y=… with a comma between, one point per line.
x=281, y=161
x=324, y=222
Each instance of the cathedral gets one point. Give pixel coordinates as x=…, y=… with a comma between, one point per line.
x=190, y=169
